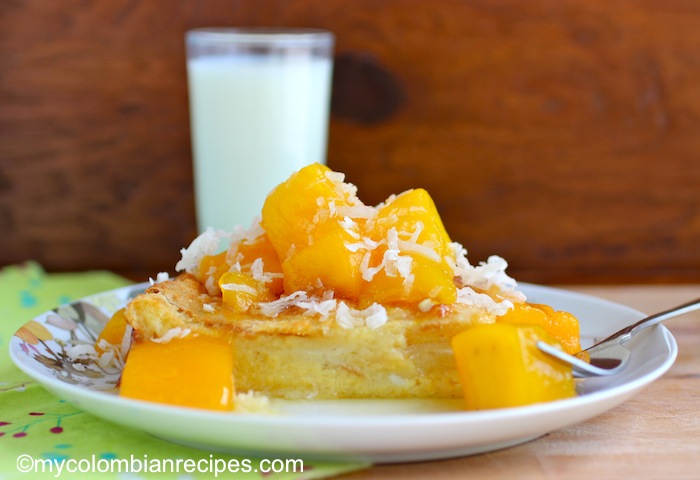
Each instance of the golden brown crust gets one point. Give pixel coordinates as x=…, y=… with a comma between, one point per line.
x=173, y=304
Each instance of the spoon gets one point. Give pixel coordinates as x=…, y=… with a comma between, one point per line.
x=609, y=356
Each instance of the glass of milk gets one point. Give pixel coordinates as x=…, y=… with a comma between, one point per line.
x=259, y=105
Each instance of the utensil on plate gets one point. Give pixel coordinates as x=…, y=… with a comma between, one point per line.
x=609, y=356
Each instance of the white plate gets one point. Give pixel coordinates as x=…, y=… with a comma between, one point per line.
x=376, y=431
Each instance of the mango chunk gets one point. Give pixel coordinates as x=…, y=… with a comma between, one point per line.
x=194, y=371
x=396, y=253
x=326, y=263
x=500, y=366
x=405, y=210
x=424, y=281
x=410, y=225
x=248, y=254
x=562, y=326
x=299, y=207
x=212, y=267
x=240, y=291
x=113, y=331
x=303, y=218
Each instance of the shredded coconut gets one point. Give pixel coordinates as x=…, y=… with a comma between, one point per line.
x=84, y=356
x=106, y=359
x=345, y=319
x=81, y=352
x=311, y=305
x=491, y=273
x=347, y=190
x=468, y=296
x=252, y=402
x=364, y=243
x=125, y=345
x=354, y=247
x=322, y=214
x=357, y=211
x=322, y=308
x=376, y=316
x=273, y=308
x=372, y=317
x=257, y=270
x=250, y=235
x=424, y=250
x=207, y=243
x=104, y=344
x=350, y=226
x=393, y=262
x=172, y=334
x=160, y=277
x=368, y=272
x=335, y=177
x=426, y=305
x=239, y=287
x=211, y=285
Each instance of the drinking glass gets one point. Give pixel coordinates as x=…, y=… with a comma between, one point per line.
x=259, y=106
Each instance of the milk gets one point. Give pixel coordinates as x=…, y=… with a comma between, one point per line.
x=254, y=121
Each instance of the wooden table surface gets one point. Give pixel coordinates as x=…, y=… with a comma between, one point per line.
x=654, y=435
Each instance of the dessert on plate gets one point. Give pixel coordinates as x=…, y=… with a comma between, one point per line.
x=328, y=298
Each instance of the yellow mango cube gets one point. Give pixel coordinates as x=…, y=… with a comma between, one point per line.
x=194, y=371
x=303, y=225
x=240, y=291
x=326, y=263
x=562, y=326
x=405, y=210
x=260, y=250
x=113, y=331
x=298, y=207
x=500, y=366
x=426, y=280
x=410, y=224
x=212, y=266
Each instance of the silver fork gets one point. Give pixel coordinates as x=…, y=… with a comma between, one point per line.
x=609, y=356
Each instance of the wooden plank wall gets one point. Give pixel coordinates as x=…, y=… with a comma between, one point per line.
x=560, y=134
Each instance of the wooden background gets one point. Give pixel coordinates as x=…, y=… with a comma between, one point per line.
x=563, y=135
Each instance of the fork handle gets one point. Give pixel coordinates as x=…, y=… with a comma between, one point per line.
x=627, y=333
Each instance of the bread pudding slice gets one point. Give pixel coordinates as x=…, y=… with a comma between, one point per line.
x=328, y=298
x=297, y=355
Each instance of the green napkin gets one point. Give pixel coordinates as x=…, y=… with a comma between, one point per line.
x=36, y=426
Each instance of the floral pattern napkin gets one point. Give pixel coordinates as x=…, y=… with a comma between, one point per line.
x=36, y=425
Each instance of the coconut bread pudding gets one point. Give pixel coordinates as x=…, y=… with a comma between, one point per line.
x=328, y=298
